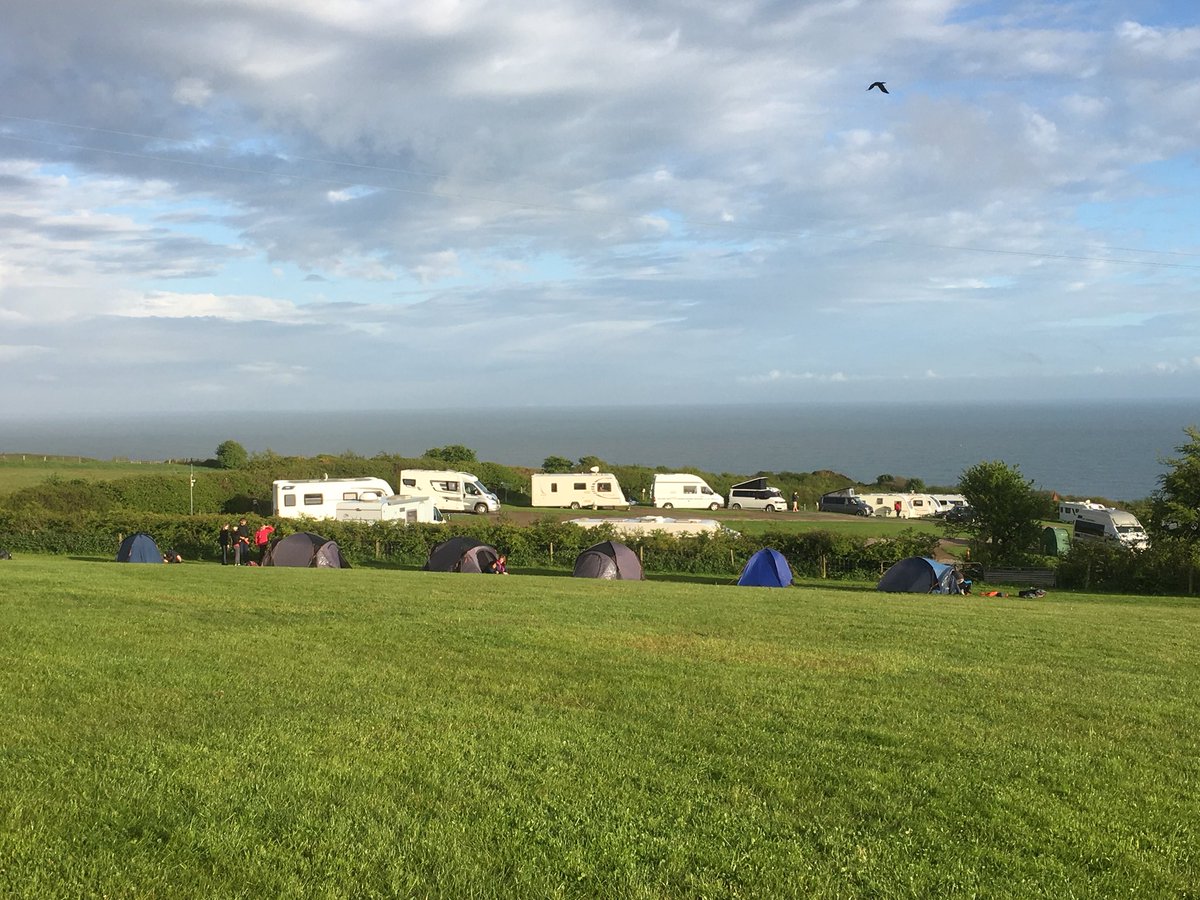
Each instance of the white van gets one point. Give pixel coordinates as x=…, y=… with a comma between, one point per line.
x=317, y=498
x=684, y=491
x=597, y=490
x=756, y=494
x=1070, y=510
x=1111, y=525
x=406, y=510
x=451, y=491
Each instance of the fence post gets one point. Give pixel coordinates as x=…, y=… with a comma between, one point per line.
x=824, y=566
x=552, y=553
x=378, y=550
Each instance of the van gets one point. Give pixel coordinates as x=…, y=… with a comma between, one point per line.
x=850, y=504
x=684, y=491
x=596, y=490
x=1114, y=525
x=317, y=498
x=405, y=510
x=451, y=491
x=756, y=494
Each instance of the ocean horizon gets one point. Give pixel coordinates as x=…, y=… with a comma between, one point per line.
x=1102, y=449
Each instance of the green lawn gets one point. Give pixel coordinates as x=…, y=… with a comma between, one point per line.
x=202, y=731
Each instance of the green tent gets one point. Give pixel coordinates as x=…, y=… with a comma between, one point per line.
x=1055, y=541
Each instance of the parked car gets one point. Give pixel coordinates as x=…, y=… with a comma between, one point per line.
x=960, y=515
x=845, y=503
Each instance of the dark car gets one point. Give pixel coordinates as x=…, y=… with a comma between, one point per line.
x=960, y=515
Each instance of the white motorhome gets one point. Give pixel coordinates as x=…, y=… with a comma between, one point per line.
x=684, y=491
x=390, y=509
x=1070, y=510
x=451, y=491
x=1111, y=525
x=756, y=494
x=317, y=498
x=597, y=490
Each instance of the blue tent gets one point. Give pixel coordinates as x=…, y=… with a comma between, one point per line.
x=918, y=575
x=139, y=548
x=766, y=568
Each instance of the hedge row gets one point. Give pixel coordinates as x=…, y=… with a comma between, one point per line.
x=541, y=545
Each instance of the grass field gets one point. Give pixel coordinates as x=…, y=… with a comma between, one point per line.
x=21, y=470
x=204, y=731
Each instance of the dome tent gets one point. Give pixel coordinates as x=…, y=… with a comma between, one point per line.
x=305, y=550
x=139, y=548
x=461, y=554
x=918, y=575
x=766, y=568
x=610, y=560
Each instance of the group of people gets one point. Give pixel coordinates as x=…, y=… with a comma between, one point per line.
x=243, y=546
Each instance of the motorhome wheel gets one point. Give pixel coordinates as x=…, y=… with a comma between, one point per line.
x=574, y=504
x=714, y=506
x=770, y=508
x=668, y=506
x=480, y=509
x=736, y=506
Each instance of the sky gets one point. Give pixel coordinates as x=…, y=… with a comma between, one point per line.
x=216, y=204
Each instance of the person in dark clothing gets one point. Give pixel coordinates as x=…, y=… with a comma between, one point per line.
x=225, y=539
x=241, y=547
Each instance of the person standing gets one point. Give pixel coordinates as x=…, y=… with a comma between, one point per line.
x=241, y=547
x=225, y=539
x=262, y=537
x=897, y=506
x=795, y=501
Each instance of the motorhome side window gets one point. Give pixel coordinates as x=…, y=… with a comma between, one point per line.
x=314, y=499
x=554, y=487
x=409, y=482
x=604, y=487
x=289, y=499
x=471, y=490
x=690, y=489
x=450, y=487
x=1093, y=528
x=350, y=495
x=580, y=486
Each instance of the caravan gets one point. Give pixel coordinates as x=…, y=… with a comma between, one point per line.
x=684, y=491
x=405, y=510
x=596, y=490
x=451, y=491
x=317, y=498
x=1114, y=525
x=1070, y=510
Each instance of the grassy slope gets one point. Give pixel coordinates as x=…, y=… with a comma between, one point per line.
x=25, y=470
x=198, y=730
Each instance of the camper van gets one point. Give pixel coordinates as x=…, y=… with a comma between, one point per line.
x=685, y=492
x=756, y=494
x=1070, y=510
x=845, y=502
x=596, y=490
x=1111, y=525
x=317, y=498
x=405, y=510
x=451, y=491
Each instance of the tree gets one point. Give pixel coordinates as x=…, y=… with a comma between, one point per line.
x=231, y=455
x=1175, y=506
x=556, y=465
x=588, y=462
x=452, y=454
x=1008, y=511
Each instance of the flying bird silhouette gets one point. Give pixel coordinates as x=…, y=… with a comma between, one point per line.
x=879, y=84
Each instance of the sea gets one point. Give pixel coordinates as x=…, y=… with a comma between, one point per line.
x=1113, y=450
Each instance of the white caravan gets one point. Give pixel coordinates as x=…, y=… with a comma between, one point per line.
x=912, y=506
x=405, y=510
x=596, y=490
x=1111, y=525
x=451, y=491
x=317, y=498
x=653, y=524
x=946, y=502
x=685, y=492
x=1070, y=510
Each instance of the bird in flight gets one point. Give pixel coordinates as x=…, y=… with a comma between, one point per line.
x=879, y=84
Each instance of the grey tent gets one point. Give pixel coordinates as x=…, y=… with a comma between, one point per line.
x=139, y=548
x=305, y=550
x=918, y=575
x=608, y=560
x=461, y=554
